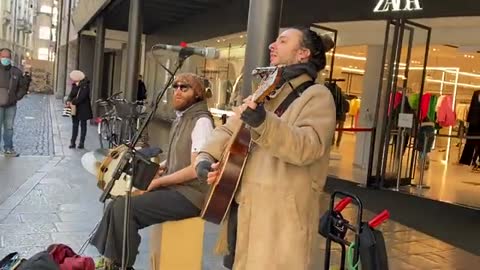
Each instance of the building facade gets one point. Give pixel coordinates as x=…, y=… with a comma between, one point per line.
x=16, y=33
x=45, y=29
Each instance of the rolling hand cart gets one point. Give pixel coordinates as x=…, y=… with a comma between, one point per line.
x=367, y=251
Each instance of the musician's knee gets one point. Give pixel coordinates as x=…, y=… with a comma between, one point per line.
x=117, y=206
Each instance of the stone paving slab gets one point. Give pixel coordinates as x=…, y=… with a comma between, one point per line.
x=33, y=126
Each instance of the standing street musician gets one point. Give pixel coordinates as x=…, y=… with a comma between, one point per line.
x=286, y=169
x=176, y=193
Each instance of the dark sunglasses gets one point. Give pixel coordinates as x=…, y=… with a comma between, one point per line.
x=182, y=87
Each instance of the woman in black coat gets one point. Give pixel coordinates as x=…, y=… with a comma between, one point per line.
x=80, y=97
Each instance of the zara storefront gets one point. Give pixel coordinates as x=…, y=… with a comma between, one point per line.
x=391, y=57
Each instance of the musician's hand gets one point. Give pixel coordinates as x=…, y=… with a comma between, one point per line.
x=138, y=192
x=253, y=115
x=247, y=103
x=156, y=183
x=250, y=103
x=161, y=171
x=213, y=174
x=202, y=169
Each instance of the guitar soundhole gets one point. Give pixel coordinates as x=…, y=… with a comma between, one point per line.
x=115, y=154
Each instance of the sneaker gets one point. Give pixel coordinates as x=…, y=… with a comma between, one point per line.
x=81, y=146
x=107, y=264
x=10, y=153
x=71, y=146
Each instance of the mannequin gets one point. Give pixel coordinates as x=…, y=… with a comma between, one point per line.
x=471, y=151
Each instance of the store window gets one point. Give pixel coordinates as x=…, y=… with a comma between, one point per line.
x=46, y=9
x=224, y=74
x=55, y=16
x=43, y=54
x=44, y=32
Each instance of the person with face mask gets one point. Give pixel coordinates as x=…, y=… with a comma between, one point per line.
x=13, y=87
x=175, y=193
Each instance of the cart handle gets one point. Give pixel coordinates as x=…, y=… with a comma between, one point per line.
x=379, y=219
x=342, y=204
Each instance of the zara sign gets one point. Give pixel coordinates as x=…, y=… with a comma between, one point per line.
x=397, y=5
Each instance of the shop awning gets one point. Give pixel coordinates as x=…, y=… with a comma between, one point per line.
x=157, y=14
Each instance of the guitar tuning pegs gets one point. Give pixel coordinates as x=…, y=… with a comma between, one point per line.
x=263, y=71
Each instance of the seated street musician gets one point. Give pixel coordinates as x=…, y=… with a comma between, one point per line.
x=176, y=193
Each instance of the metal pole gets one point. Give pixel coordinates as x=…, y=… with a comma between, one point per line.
x=62, y=88
x=133, y=47
x=98, y=60
x=400, y=159
x=57, y=45
x=371, y=181
x=263, y=24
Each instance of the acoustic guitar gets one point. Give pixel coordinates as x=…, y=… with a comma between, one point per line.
x=235, y=156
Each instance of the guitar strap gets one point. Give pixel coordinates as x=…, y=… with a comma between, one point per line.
x=292, y=96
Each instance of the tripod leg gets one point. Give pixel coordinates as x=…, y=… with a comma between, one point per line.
x=85, y=244
x=125, y=250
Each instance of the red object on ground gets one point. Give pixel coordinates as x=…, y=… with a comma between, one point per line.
x=67, y=259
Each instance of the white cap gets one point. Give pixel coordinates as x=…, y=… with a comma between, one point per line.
x=77, y=75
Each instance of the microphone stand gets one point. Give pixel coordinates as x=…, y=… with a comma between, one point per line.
x=125, y=165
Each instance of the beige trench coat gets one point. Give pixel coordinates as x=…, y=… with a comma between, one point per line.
x=284, y=175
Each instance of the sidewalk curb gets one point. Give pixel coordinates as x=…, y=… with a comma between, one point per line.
x=57, y=141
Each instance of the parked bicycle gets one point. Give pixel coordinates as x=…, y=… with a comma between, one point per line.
x=120, y=122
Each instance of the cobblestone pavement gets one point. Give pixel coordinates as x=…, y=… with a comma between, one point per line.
x=59, y=204
x=33, y=129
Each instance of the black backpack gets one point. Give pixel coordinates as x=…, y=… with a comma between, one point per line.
x=373, y=252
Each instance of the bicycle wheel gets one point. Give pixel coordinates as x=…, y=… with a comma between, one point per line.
x=116, y=127
x=99, y=133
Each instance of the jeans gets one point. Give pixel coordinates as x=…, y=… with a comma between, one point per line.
x=83, y=133
x=7, y=117
x=152, y=207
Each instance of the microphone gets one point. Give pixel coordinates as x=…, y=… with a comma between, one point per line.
x=207, y=52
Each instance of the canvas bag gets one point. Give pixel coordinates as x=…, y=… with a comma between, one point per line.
x=72, y=108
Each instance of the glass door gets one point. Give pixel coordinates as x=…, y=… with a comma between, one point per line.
x=327, y=73
x=397, y=120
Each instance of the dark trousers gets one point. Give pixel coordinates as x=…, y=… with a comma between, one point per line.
x=83, y=133
x=232, y=236
x=150, y=208
x=340, y=125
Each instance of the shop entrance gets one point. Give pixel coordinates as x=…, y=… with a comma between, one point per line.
x=396, y=122
x=327, y=74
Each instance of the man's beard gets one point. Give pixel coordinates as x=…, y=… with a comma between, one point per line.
x=183, y=105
